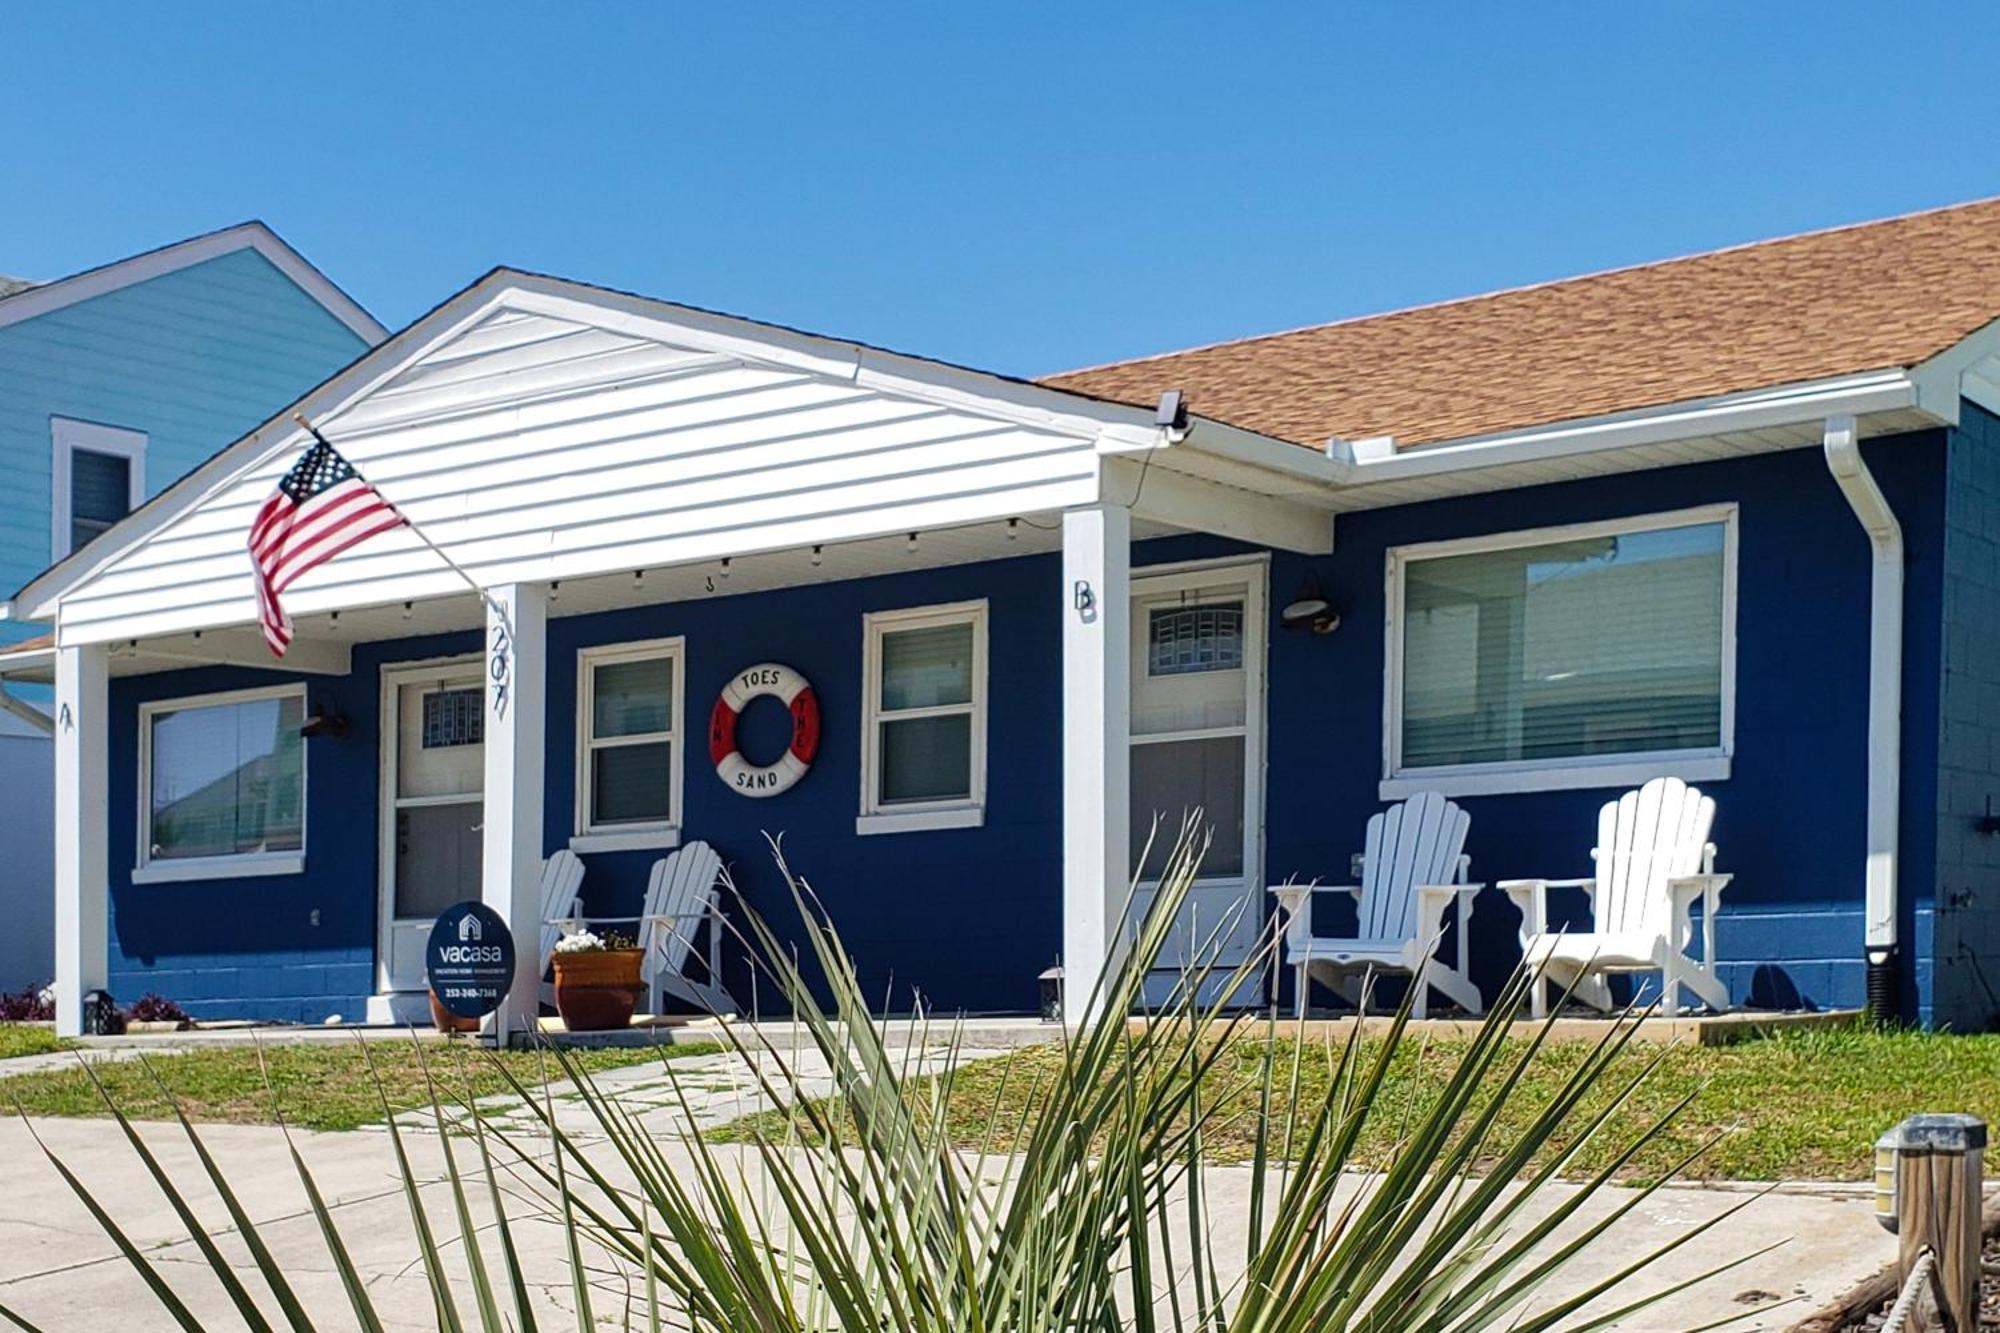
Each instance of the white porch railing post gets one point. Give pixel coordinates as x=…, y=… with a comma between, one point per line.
x=82, y=805
x=516, y=663
x=1096, y=718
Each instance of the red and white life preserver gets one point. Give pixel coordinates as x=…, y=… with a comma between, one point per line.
x=790, y=689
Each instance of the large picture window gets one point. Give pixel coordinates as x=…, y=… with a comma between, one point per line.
x=924, y=718
x=1581, y=656
x=223, y=783
x=629, y=746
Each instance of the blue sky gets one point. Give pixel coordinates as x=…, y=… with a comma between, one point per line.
x=1023, y=188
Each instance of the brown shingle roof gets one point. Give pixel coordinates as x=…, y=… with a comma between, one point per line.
x=1866, y=297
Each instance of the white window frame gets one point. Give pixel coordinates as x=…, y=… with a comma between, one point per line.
x=242, y=865
x=628, y=836
x=1705, y=764
x=876, y=815
x=69, y=435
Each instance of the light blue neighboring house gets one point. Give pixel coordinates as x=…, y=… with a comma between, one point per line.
x=115, y=382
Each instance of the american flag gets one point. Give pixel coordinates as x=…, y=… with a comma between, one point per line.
x=321, y=507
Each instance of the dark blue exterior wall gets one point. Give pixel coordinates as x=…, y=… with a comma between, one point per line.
x=1966, y=947
x=970, y=916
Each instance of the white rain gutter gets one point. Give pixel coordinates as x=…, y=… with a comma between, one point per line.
x=1359, y=462
x=1885, y=701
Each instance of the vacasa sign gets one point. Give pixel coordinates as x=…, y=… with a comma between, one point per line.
x=470, y=959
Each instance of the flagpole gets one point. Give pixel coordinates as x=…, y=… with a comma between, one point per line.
x=501, y=653
x=410, y=523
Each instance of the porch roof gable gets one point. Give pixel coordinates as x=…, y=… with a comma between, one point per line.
x=538, y=428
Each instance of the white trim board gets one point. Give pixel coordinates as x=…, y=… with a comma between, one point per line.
x=1568, y=773
x=54, y=295
x=68, y=435
x=663, y=833
x=148, y=870
x=968, y=811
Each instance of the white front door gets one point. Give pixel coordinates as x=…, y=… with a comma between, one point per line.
x=1198, y=745
x=433, y=769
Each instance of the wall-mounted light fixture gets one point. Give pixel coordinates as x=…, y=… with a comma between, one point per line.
x=1309, y=609
x=326, y=720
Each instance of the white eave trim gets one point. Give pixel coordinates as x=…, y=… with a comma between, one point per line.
x=1811, y=401
x=256, y=236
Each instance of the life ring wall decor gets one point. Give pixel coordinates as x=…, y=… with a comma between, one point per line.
x=789, y=688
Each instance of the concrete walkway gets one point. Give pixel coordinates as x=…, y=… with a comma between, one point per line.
x=59, y=1271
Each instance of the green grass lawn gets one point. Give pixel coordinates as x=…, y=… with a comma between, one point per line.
x=316, y=1085
x=27, y=1039
x=1801, y=1106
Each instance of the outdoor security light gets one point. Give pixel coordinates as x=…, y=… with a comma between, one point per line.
x=1309, y=609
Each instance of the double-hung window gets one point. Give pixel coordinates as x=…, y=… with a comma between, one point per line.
x=98, y=476
x=923, y=739
x=222, y=782
x=1594, y=655
x=629, y=751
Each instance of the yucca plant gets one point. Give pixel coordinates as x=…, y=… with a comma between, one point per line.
x=1090, y=1210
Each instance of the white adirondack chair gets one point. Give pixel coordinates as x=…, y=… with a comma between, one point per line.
x=1414, y=868
x=681, y=893
x=562, y=879
x=1653, y=861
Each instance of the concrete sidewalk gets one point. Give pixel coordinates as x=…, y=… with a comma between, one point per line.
x=59, y=1271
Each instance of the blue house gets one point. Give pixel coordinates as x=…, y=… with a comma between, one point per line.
x=114, y=382
x=1731, y=518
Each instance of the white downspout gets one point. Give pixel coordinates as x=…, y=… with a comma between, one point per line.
x=1885, y=702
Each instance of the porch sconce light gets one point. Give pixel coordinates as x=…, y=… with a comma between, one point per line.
x=325, y=721
x=1309, y=609
x=1051, y=994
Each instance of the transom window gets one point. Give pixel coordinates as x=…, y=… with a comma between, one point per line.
x=629, y=744
x=1194, y=638
x=1551, y=656
x=924, y=723
x=224, y=779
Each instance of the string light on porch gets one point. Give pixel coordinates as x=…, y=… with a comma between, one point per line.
x=409, y=609
x=1013, y=529
x=818, y=556
x=724, y=573
x=555, y=590
x=912, y=548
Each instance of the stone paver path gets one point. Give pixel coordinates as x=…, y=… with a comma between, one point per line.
x=695, y=1093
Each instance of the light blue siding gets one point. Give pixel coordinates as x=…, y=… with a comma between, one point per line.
x=193, y=358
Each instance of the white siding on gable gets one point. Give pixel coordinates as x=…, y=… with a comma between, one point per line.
x=533, y=447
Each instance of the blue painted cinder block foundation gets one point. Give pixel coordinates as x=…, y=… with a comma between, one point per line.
x=968, y=917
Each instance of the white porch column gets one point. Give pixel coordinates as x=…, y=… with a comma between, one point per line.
x=1097, y=694
x=511, y=872
x=82, y=804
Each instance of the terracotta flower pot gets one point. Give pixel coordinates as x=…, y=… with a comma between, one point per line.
x=597, y=990
x=444, y=1020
